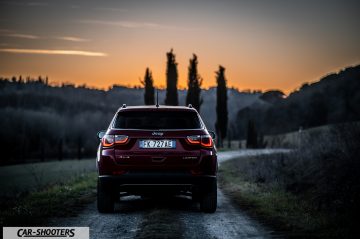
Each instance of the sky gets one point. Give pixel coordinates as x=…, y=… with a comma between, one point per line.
x=262, y=44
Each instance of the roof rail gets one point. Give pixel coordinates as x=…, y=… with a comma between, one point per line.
x=190, y=105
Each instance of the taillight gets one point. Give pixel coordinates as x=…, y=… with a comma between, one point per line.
x=194, y=139
x=109, y=140
x=121, y=139
x=206, y=141
x=203, y=140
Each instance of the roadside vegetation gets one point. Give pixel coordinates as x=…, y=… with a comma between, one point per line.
x=310, y=193
x=18, y=180
x=59, y=200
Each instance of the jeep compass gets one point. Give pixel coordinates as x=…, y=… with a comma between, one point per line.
x=153, y=150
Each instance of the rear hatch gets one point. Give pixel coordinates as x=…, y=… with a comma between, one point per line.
x=157, y=140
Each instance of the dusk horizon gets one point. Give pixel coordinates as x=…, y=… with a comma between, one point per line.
x=263, y=46
x=163, y=85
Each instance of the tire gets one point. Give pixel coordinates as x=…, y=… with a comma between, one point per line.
x=208, y=200
x=195, y=195
x=105, y=199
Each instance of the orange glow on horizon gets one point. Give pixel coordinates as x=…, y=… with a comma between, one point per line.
x=243, y=82
x=262, y=46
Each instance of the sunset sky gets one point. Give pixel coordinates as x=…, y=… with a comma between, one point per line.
x=262, y=44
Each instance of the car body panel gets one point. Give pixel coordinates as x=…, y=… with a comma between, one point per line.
x=128, y=164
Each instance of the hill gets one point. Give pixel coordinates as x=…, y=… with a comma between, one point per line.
x=333, y=99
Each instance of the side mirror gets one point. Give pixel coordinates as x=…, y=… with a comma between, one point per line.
x=101, y=134
x=212, y=134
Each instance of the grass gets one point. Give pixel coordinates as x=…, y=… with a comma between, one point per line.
x=17, y=180
x=278, y=208
x=291, y=195
x=59, y=200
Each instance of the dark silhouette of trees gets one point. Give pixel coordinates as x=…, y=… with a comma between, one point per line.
x=47, y=118
x=149, y=88
x=273, y=96
x=251, y=135
x=333, y=99
x=171, y=80
x=221, y=106
x=60, y=150
x=194, y=84
x=317, y=111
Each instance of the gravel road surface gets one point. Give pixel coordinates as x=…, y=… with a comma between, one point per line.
x=176, y=217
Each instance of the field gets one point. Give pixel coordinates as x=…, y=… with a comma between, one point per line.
x=31, y=193
x=17, y=180
x=60, y=200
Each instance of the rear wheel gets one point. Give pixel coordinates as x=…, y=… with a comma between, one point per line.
x=105, y=199
x=195, y=195
x=208, y=200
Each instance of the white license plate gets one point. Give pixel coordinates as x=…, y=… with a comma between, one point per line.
x=157, y=144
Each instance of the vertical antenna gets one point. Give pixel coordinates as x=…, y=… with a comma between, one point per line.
x=157, y=98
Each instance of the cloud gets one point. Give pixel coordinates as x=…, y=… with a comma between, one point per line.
x=53, y=52
x=8, y=33
x=26, y=36
x=130, y=24
x=71, y=38
x=125, y=24
x=111, y=9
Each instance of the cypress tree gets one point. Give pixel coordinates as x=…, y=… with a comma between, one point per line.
x=251, y=135
x=171, y=80
x=194, y=83
x=221, y=106
x=149, y=88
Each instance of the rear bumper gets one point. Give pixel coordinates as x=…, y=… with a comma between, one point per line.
x=153, y=179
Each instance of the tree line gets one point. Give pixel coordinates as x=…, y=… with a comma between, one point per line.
x=332, y=100
x=42, y=121
x=193, y=96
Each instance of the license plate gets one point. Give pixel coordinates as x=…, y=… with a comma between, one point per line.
x=157, y=144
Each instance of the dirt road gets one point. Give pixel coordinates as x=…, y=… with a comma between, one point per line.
x=175, y=217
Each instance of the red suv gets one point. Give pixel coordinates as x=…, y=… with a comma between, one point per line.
x=150, y=150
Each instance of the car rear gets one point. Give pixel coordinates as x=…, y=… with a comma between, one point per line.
x=153, y=150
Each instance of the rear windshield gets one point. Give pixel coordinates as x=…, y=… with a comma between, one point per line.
x=157, y=120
